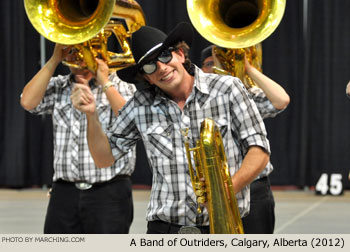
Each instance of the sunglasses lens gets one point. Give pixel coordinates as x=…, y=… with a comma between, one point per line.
x=165, y=56
x=149, y=67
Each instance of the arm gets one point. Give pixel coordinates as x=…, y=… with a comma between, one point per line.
x=83, y=100
x=273, y=91
x=98, y=142
x=250, y=137
x=114, y=97
x=34, y=90
x=253, y=164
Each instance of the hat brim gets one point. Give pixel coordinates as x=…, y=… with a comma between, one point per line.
x=182, y=32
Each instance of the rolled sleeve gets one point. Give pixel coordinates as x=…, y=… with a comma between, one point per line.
x=247, y=120
x=46, y=105
x=257, y=140
x=265, y=107
x=123, y=134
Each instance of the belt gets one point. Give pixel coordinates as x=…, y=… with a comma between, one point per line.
x=263, y=179
x=84, y=185
x=169, y=228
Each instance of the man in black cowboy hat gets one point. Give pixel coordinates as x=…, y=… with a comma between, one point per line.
x=179, y=97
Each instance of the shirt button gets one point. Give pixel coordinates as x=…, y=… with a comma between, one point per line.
x=192, y=204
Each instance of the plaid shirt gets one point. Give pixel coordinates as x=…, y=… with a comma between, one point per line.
x=266, y=110
x=150, y=115
x=72, y=159
x=265, y=107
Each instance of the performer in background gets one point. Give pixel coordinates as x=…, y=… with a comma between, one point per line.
x=270, y=99
x=347, y=91
x=179, y=96
x=84, y=198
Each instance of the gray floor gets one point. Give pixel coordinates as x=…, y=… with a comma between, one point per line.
x=297, y=212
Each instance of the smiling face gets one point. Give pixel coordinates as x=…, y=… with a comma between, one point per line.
x=171, y=76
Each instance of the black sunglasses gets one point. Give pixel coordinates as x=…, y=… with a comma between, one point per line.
x=165, y=57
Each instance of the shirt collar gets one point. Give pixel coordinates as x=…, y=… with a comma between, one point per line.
x=199, y=81
x=159, y=95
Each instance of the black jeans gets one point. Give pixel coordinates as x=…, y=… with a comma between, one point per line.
x=104, y=208
x=261, y=218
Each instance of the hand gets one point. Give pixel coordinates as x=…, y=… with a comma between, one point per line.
x=217, y=62
x=201, y=194
x=60, y=52
x=83, y=99
x=102, y=72
x=348, y=89
x=247, y=65
x=48, y=194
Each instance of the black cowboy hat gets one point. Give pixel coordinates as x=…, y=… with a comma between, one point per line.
x=205, y=53
x=148, y=42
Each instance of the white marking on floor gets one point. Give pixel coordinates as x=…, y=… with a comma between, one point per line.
x=301, y=214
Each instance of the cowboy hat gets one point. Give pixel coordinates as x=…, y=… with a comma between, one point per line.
x=205, y=53
x=148, y=42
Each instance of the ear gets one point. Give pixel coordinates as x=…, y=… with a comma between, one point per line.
x=181, y=55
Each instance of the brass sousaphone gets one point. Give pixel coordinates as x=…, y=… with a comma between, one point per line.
x=86, y=25
x=211, y=179
x=236, y=27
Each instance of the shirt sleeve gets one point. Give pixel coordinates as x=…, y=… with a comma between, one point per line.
x=123, y=134
x=125, y=89
x=246, y=119
x=265, y=107
x=46, y=105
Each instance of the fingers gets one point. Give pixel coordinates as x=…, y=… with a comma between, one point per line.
x=67, y=50
x=61, y=51
x=102, y=66
x=99, y=61
x=81, y=79
x=81, y=95
x=216, y=60
x=83, y=99
x=247, y=64
x=102, y=72
x=48, y=194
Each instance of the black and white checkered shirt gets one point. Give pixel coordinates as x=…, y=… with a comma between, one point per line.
x=156, y=119
x=266, y=110
x=265, y=107
x=72, y=159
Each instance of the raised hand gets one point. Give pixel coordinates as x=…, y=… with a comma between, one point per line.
x=102, y=72
x=83, y=99
x=216, y=60
x=60, y=52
